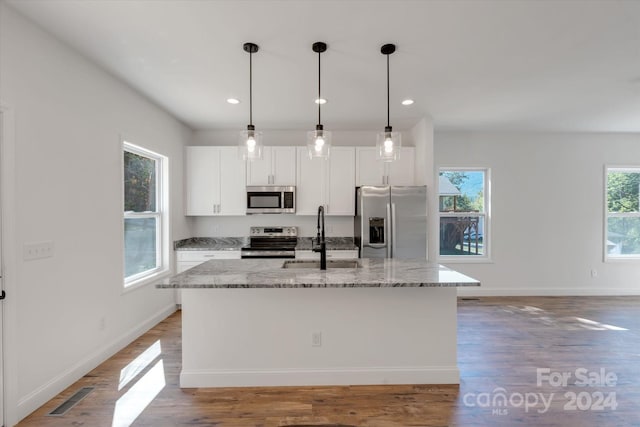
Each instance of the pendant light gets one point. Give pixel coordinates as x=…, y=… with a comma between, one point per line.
x=388, y=143
x=319, y=140
x=250, y=144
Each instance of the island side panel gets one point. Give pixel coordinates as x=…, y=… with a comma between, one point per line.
x=263, y=337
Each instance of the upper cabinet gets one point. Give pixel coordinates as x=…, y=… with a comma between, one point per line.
x=215, y=181
x=327, y=182
x=277, y=167
x=370, y=171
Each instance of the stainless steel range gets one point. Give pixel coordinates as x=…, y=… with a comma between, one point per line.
x=271, y=242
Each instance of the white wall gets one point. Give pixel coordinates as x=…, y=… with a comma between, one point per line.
x=291, y=137
x=69, y=116
x=422, y=135
x=239, y=226
x=547, y=194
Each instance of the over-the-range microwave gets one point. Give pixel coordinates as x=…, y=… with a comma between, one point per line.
x=270, y=199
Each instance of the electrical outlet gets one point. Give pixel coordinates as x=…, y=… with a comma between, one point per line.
x=594, y=273
x=103, y=323
x=316, y=339
x=37, y=250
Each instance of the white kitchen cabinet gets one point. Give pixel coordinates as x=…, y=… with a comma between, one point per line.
x=187, y=259
x=277, y=167
x=327, y=182
x=331, y=254
x=370, y=171
x=215, y=181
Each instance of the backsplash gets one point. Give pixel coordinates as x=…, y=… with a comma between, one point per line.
x=224, y=226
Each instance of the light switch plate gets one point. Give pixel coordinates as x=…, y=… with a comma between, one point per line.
x=38, y=250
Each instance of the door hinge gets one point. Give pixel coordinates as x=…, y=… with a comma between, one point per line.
x=3, y=295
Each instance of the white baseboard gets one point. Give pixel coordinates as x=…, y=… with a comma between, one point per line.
x=47, y=391
x=530, y=292
x=306, y=377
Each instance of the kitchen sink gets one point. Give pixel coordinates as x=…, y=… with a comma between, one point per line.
x=333, y=263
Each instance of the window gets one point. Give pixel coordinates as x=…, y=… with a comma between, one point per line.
x=622, y=228
x=144, y=214
x=464, y=219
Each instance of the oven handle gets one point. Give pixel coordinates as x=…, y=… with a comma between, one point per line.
x=269, y=254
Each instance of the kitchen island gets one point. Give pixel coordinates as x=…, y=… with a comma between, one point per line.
x=255, y=323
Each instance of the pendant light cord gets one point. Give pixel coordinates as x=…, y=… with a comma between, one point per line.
x=250, y=89
x=388, y=121
x=319, y=98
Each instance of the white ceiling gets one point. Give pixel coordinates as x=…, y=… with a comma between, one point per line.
x=470, y=65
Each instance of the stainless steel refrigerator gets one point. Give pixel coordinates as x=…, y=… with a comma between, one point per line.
x=391, y=222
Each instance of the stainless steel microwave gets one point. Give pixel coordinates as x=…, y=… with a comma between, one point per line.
x=271, y=199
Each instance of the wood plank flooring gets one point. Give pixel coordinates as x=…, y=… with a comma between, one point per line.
x=502, y=342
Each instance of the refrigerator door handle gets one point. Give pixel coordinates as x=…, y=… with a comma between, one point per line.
x=388, y=219
x=393, y=229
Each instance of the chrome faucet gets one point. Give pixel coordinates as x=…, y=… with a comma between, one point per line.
x=321, y=240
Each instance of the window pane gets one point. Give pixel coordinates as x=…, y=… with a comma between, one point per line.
x=139, y=245
x=461, y=235
x=623, y=236
x=461, y=191
x=622, y=191
x=139, y=183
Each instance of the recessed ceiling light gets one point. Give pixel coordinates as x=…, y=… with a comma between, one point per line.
x=233, y=101
x=407, y=102
x=320, y=101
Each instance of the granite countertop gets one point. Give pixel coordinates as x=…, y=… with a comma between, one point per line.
x=211, y=244
x=236, y=243
x=333, y=244
x=268, y=273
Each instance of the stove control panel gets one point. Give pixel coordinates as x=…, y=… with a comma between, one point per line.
x=274, y=231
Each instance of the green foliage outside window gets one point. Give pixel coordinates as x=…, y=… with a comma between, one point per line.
x=139, y=183
x=623, y=197
x=471, y=198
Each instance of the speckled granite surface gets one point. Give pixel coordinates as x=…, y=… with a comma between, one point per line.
x=235, y=243
x=268, y=273
x=333, y=243
x=211, y=244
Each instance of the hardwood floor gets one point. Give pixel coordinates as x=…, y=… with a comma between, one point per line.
x=502, y=343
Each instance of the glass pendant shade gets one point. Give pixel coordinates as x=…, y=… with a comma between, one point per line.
x=319, y=143
x=319, y=140
x=250, y=144
x=388, y=145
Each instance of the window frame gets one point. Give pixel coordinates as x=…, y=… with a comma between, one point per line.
x=606, y=256
x=486, y=214
x=161, y=215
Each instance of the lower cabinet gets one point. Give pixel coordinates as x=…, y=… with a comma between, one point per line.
x=331, y=254
x=188, y=259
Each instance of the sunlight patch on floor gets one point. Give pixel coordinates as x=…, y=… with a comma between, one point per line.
x=139, y=396
x=563, y=322
x=139, y=364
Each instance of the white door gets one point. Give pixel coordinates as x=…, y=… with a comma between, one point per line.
x=369, y=170
x=203, y=180
x=284, y=165
x=310, y=191
x=341, y=182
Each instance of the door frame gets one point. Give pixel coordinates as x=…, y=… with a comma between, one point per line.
x=9, y=251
